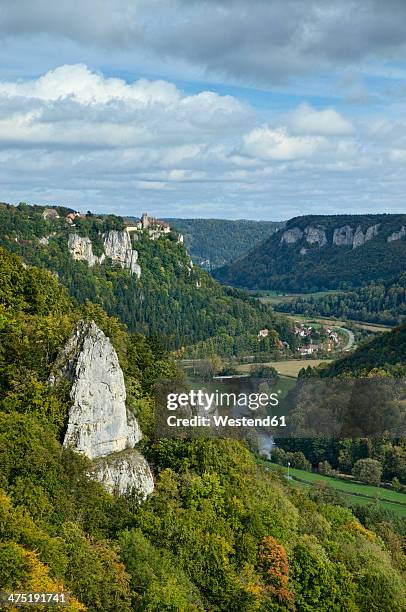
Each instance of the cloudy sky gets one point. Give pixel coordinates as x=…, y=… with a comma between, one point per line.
x=207, y=108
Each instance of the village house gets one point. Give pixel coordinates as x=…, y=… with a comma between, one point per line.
x=70, y=217
x=303, y=331
x=306, y=350
x=334, y=337
x=50, y=213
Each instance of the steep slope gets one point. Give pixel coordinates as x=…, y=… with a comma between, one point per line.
x=143, y=275
x=216, y=242
x=323, y=252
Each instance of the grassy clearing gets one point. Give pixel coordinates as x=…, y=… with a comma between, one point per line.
x=356, y=493
x=278, y=297
x=289, y=367
x=332, y=322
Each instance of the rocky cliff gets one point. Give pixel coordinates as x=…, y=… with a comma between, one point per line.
x=81, y=249
x=397, y=235
x=342, y=236
x=354, y=236
x=99, y=425
x=117, y=246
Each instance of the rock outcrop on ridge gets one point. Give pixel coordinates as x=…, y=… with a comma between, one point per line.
x=345, y=235
x=99, y=424
x=397, y=235
x=81, y=249
x=117, y=246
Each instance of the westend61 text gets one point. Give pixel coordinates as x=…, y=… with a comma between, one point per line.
x=226, y=421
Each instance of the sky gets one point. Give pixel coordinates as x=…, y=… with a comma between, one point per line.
x=264, y=109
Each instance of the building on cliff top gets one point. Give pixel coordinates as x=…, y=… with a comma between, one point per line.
x=50, y=213
x=152, y=223
x=154, y=227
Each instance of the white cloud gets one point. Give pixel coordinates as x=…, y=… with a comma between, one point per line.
x=397, y=155
x=78, y=83
x=325, y=122
x=71, y=105
x=151, y=185
x=276, y=144
x=91, y=141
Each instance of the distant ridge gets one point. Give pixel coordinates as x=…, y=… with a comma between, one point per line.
x=317, y=252
x=216, y=242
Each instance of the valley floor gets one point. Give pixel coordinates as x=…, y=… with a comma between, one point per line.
x=276, y=297
x=356, y=493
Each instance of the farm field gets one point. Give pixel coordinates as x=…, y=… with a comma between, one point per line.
x=355, y=492
x=288, y=367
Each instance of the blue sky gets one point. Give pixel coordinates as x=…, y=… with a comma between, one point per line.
x=204, y=108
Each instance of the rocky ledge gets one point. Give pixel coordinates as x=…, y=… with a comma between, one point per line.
x=81, y=249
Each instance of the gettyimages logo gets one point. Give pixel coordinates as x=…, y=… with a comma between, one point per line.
x=322, y=408
x=217, y=399
x=229, y=412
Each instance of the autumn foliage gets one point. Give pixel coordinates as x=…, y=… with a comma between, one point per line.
x=275, y=569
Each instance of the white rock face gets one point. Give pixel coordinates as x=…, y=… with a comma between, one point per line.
x=397, y=235
x=343, y=236
x=315, y=235
x=360, y=238
x=123, y=472
x=372, y=232
x=291, y=236
x=99, y=425
x=117, y=246
x=81, y=249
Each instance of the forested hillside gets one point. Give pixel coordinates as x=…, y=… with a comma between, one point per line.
x=218, y=533
x=216, y=242
x=385, y=354
x=383, y=302
x=172, y=298
x=314, y=253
